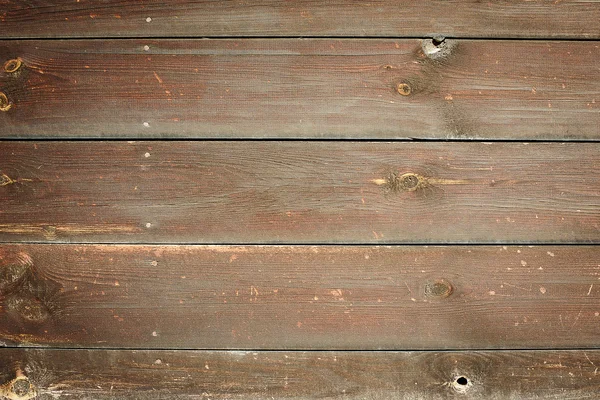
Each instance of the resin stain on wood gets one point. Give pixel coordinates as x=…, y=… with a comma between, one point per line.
x=301, y=297
x=300, y=88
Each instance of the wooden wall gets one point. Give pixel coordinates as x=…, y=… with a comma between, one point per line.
x=299, y=199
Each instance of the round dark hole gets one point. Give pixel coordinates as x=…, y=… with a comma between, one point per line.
x=438, y=41
x=461, y=380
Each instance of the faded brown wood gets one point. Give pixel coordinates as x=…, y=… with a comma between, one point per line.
x=299, y=192
x=464, y=18
x=296, y=88
x=106, y=374
x=109, y=374
x=300, y=297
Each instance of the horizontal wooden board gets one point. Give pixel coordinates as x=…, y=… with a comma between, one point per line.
x=300, y=297
x=118, y=374
x=221, y=192
x=296, y=88
x=466, y=18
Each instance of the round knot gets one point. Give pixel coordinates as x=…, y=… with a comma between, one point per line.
x=404, y=89
x=21, y=386
x=440, y=288
x=12, y=65
x=409, y=181
x=4, y=102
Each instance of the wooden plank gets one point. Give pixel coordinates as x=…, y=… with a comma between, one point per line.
x=462, y=18
x=356, y=89
x=221, y=192
x=300, y=297
x=118, y=374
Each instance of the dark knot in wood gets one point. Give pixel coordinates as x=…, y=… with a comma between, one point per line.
x=404, y=89
x=441, y=288
x=5, y=104
x=409, y=181
x=13, y=65
x=19, y=388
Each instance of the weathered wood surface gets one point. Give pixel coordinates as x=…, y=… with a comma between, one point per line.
x=222, y=192
x=461, y=18
x=300, y=89
x=109, y=374
x=300, y=297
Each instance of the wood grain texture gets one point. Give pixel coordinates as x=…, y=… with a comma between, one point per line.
x=300, y=297
x=296, y=88
x=105, y=374
x=459, y=18
x=222, y=192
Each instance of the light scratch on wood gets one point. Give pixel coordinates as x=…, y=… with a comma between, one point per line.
x=517, y=287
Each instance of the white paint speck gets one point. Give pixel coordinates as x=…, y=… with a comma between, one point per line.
x=154, y=334
x=492, y=293
x=542, y=290
x=146, y=124
x=148, y=225
x=148, y=19
x=158, y=362
x=523, y=262
x=551, y=254
x=147, y=155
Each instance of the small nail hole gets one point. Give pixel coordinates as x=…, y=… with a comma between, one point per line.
x=461, y=380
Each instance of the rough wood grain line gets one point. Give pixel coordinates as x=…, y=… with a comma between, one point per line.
x=220, y=192
x=300, y=89
x=300, y=297
x=122, y=374
x=461, y=18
